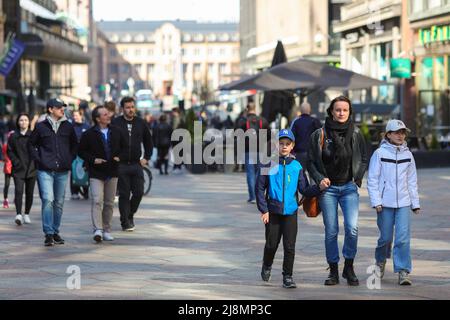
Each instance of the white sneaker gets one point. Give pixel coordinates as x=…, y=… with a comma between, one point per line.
x=75, y=197
x=107, y=236
x=98, y=236
x=26, y=219
x=19, y=220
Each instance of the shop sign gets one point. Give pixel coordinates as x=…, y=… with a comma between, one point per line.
x=434, y=34
x=400, y=68
x=12, y=52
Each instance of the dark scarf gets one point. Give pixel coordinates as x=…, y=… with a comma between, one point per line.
x=343, y=148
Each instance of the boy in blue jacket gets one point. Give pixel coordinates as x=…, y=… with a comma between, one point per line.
x=276, y=198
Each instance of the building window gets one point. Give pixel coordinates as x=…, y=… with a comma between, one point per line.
x=185, y=67
x=196, y=51
x=138, y=68
x=150, y=52
x=197, y=67
x=137, y=52
x=210, y=51
x=211, y=68
x=112, y=52
x=124, y=52
x=125, y=69
x=150, y=69
x=113, y=68
x=222, y=68
x=222, y=51
x=183, y=51
x=434, y=4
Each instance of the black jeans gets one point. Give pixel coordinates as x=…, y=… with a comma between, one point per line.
x=6, y=187
x=131, y=182
x=19, y=184
x=163, y=159
x=286, y=227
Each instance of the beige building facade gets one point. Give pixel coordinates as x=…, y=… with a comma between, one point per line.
x=172, y=58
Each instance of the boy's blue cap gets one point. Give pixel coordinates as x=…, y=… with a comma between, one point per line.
x=286, y=133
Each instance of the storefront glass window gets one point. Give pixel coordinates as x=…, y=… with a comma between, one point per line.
x=434, y=97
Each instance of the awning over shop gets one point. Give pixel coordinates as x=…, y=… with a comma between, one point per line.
x=37, y=9
x=54, y=49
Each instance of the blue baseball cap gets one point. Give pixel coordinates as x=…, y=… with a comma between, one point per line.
x=286, y=133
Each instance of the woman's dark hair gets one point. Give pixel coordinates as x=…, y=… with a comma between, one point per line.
x=111, y=106
x=340, y=98
x=163, y=118
x=22, y=115
x=126, y=100
x=96, y=113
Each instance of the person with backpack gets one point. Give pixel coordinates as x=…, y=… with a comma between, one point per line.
x=393, y=193
x=23, y=168
x=80, y=126
x=337, y=156
x=303, y=127
x=252, y=158
x=162, y=137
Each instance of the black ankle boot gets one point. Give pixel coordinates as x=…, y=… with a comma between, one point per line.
x=333, y=277
x=349, y=273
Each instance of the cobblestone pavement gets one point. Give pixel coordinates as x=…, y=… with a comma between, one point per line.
x=197, y=238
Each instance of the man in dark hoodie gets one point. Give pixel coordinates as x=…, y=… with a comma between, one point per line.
x=134, y=132
x=53, y=146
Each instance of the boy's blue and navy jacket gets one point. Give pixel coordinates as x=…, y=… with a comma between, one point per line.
x=276, y=192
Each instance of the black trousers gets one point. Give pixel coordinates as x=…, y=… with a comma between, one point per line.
x=163, y=159
x=21, y=185
x=6, y=187
x=286, y=227
x=131, y=183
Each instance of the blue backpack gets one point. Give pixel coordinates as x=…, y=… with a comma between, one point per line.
x=80, y=176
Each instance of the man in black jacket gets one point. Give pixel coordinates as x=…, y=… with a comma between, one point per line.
x=135, y=132
x=53, y=146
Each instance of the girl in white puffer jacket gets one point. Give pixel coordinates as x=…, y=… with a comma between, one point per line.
x=393, y=192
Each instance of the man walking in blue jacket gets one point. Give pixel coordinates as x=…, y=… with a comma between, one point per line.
x=53, y=147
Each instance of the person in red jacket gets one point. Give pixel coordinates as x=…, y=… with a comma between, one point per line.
x=7, y=169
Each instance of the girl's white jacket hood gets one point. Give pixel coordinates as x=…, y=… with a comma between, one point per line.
x=392, y=177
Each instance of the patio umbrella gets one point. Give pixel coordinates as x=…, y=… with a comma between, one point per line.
x=304, y=74
x=277, y=102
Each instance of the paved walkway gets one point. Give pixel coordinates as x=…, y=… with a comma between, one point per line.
x=197, y=238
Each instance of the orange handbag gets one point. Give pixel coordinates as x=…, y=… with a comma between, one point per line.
x=311, y=205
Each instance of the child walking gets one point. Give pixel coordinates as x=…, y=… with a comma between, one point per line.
x=393, y=192
x=276, y=198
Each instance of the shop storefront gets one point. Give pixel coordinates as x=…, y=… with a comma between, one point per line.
x=432, y=50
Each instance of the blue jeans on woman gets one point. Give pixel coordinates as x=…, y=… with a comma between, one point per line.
x=52, y=189
x=387, y=220
x=348, y=198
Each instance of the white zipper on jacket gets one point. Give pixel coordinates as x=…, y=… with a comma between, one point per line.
x=396, y=172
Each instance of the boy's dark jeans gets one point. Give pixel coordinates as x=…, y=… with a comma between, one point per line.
x=286, y=227
x=131, y=181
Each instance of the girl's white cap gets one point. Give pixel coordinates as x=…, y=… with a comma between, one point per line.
x=395, y=125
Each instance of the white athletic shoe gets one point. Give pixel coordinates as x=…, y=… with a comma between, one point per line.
x=98, y=236
x=19, y=220
x=107, y=236
x=26, y=219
